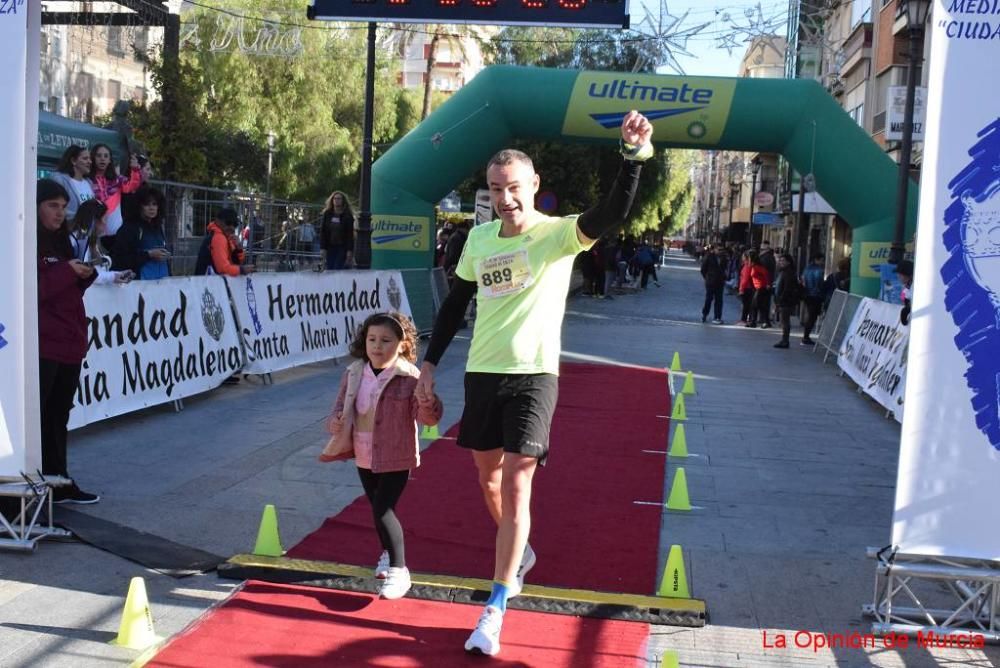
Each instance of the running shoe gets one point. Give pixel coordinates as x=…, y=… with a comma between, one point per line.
x=485, y=639
x=396, y=583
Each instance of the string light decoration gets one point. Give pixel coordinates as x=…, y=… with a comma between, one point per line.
x=813, y=23
x=728, y=42
x=667, y=38
x=757, y=29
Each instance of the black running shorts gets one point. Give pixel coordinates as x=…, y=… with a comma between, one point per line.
x=509, y=411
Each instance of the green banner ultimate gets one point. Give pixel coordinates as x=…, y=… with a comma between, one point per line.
x=794, y=117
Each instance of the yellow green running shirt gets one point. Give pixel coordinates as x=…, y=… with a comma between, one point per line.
x=522, y=285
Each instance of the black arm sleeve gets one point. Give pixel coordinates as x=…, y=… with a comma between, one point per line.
x=449, y=318
x=612, y=212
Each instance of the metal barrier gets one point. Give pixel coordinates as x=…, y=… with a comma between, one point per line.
x=425, y=290
x=837, y=318
x=270, y=247
x=439, y=287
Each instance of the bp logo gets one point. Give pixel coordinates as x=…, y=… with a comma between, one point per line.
x=212, y=315
x=697, y=130
x=972, y=275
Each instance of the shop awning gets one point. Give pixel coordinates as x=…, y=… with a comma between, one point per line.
x=57, y=133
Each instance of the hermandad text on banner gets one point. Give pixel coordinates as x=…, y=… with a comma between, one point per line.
x=151, y=342
x=290, y=319
x=874, y=351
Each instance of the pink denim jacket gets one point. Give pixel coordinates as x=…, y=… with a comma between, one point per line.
x=396, y=445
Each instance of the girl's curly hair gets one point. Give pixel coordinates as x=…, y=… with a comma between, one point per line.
x=401, y=326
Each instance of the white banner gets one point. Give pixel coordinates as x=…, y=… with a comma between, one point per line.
x=873, y=353
x=292, y=319
x=895, y=112
x=19, y=434
x=152, y=342
x=949, y=464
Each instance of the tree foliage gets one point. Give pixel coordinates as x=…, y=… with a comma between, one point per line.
x=313, y=102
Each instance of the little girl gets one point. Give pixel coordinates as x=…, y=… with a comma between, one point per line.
x=374, y=420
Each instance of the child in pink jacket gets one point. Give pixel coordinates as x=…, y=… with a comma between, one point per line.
x=374, y=420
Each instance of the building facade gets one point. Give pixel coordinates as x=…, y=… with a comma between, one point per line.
x=86, y=69
x=735, y=185
x=856, y=49
x=458, y=59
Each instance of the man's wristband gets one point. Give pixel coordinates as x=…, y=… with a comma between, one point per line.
x=636, y=153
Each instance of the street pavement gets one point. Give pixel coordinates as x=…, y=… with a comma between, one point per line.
x=792, y=476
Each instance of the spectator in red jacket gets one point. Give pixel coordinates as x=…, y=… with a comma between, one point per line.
x=761, y=279
x=746, y=289
x=62, y=333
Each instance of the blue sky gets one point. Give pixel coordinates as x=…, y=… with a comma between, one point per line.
x=708, y=57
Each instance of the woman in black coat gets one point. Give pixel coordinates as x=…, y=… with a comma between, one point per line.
x=337, y=231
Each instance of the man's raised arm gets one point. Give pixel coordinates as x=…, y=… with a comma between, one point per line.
x=613, y=210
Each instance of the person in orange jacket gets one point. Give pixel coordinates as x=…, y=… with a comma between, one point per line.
x=221, y=252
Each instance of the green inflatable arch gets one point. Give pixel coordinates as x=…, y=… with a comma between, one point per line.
x=794, y=117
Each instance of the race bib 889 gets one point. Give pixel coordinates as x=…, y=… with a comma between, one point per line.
x=504, y=274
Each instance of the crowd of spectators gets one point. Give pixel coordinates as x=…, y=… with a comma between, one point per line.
x=98, y=225
x=769, y=286
x=617, y=265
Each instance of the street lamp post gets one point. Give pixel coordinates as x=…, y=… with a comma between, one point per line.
x=755, y=165
x=270, y=203
x=916, y=17
x=735, y=181
x=363, y=236
x=270, y=159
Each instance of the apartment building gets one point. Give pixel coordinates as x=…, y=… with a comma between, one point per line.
x=458, y=59
x=857, y=49
x=731, y=181
x=86, y=69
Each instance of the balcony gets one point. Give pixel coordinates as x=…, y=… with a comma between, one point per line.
x=834, y=84
x=857, y=47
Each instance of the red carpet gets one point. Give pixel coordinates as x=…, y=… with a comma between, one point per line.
x=303, y=627
x=586, y=530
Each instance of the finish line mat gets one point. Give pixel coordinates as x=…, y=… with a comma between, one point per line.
x=304, y=627
x=586, y=530
x=433, y=587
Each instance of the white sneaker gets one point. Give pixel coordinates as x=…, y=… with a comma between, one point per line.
x=382, y=568
x=527, y=563
x=396, y=584
x=486, y=638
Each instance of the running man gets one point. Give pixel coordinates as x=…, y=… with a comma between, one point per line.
x=521, y=266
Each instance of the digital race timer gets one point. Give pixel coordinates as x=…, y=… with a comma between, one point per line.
x=566, y=13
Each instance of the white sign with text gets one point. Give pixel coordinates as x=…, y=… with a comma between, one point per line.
x=292, y=319
x=895, y=112
x=152, y=342
x=873, y=353
x=949, y=460
x=20, y=448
